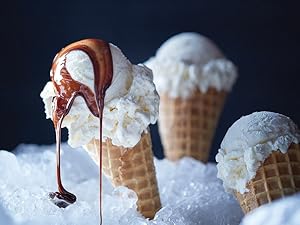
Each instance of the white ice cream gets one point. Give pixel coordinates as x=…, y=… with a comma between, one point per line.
x=248, y=142
x=187, y=62
x=284, y=211
x=131, y=102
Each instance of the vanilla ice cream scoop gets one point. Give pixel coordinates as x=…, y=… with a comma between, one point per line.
x=248, y=142
x=189, y=48
x=189, y=61
x=131, y=101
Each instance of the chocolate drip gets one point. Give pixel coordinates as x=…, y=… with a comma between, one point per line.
x=67, y=89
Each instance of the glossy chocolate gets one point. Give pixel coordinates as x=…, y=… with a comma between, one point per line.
x=67, y=90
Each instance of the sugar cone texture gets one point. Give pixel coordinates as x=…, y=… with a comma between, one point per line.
x=187, y=126
x=277, y=177
x=133, y=168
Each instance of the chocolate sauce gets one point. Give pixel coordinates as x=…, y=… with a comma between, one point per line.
x=67, y=90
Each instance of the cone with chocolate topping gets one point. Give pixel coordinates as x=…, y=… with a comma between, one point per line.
x=133, y=168
x=94, y=84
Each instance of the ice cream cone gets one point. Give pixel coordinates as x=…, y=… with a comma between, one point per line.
x=193, y=77
x=133, y=168
x=277, y=177
x=187, y=126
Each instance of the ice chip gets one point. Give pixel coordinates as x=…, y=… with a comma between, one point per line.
x=62, y=200
x=127, y=197
x=4, y=218
x=9, y=160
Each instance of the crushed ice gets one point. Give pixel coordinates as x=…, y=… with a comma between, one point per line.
x=189, y=190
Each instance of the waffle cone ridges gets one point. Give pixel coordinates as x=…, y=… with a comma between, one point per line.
x=277, y=177
x=133, y=168
x=187, y=126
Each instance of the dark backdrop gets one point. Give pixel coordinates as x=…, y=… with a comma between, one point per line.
x=260, y=37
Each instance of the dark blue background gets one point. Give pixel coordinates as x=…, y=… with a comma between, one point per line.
x=260, y=37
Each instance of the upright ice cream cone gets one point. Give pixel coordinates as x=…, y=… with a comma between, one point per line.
x=193, y=78
x=187, y=126
x=133, y=168
x=277, y=177
x=259, y=159
x=131, y=104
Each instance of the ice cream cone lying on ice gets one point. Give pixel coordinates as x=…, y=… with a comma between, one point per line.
x=259, y=159
x=193, y=79
x=130, y=105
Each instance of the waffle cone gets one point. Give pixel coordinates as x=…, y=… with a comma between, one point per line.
x=277, y=177
x=187, y=126
x=133, y=168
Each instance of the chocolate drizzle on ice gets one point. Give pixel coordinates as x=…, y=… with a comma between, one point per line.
x=67, y=89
